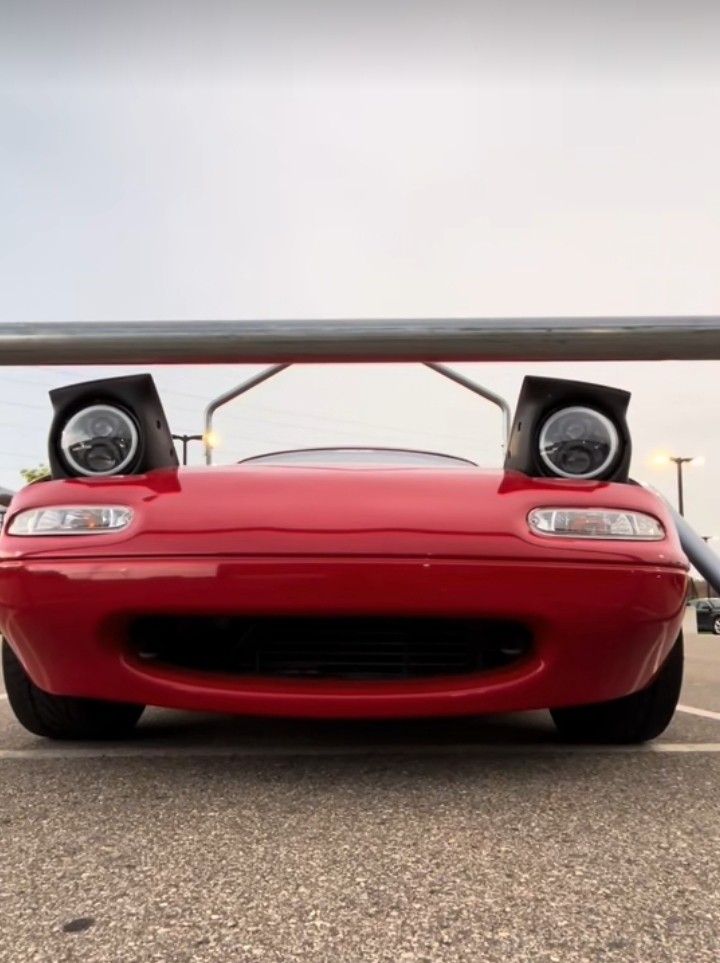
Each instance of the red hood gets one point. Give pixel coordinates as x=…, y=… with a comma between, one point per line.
x=256, y=509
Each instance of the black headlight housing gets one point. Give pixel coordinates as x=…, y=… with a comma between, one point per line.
x=570, y=429
x=109, y=427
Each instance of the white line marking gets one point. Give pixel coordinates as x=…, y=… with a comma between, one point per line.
x=704, y=713
x=231, y=752
x=682, y=747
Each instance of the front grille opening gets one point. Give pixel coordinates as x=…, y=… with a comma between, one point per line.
x=358, y=648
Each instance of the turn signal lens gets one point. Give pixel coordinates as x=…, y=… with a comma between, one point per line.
x=608, y=523
x=71, y=520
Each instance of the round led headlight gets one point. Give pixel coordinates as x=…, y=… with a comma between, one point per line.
x=578, y=443
x=99, y=440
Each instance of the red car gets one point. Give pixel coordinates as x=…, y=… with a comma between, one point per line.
x=341, y=583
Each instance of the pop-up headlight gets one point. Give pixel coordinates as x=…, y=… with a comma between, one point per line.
x=578, y=442
x=99, y=440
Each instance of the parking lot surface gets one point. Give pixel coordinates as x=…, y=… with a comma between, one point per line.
x=216, y=839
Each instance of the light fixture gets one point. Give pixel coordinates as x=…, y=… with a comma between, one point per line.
x=99, y=440
x=598, y=523
x=71, y=520
x=578, y=442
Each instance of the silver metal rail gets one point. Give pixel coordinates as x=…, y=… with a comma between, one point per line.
x=481, y=390
x=230, y=395
x=462, y=339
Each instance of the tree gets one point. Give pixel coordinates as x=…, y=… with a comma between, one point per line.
x=38, y=474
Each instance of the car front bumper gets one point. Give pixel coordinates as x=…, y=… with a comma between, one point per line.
x=600, y=630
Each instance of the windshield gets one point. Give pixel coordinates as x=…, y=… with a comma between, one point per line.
x=359, y=456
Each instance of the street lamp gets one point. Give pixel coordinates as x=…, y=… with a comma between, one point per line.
x=185, y=439
x=211, y=440
x=679, y=461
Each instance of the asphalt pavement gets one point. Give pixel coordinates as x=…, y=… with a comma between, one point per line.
x=246, y=841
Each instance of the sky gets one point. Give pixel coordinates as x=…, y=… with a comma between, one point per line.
x=364, y=160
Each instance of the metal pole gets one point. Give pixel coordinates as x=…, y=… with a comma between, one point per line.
x=679, y=463
x=695, y=547
x=461, y=339
x=230, y=395
x=706, y=539
x=681, y=501
x=477, y=389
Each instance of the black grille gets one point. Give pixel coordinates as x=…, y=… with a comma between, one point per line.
x=329, y=648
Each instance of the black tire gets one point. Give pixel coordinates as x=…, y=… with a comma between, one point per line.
x=716, y=625
x=63, y=717
x=634, y=718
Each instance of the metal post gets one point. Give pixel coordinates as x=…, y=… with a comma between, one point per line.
x=679, y=462
x=681, y=501
x=706, y=539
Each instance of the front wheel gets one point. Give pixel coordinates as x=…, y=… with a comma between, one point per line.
x=716, y=626
x=63, y=717
x=634, y=718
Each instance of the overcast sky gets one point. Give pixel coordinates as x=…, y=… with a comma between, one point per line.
x=261, y=160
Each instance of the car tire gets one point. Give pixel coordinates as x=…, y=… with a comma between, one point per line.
x=63, y=717
x=716, y=625
x=631, y=719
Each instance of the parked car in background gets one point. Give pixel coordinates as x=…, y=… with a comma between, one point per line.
x=708, y=615
x=5, y=499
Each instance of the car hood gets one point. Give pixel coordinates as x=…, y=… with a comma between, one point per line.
x=256, y=509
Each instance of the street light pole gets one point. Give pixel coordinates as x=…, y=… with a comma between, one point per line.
x=185, y=439
x=679, y=462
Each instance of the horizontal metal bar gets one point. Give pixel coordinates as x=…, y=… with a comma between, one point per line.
x=462, y=339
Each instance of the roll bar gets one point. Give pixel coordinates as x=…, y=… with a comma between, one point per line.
x=258, y=379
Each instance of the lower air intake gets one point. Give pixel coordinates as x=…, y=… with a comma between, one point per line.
x=362, y=648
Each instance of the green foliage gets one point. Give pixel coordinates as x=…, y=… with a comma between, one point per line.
x=38, y=474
